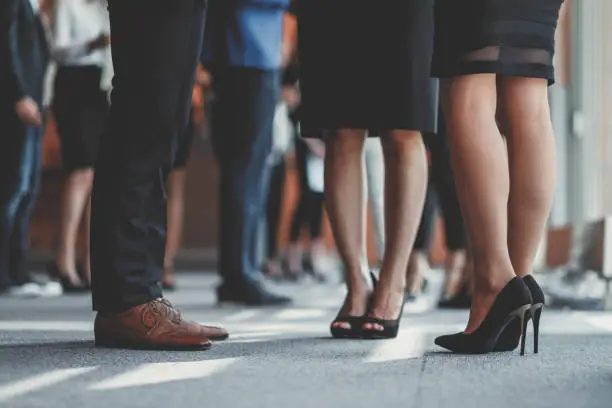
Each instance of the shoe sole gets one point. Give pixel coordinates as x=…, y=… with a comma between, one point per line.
x=148, y=347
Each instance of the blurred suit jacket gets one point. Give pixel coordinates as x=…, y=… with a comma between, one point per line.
x=24, y=53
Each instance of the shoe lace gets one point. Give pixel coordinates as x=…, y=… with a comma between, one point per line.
x=170, y=311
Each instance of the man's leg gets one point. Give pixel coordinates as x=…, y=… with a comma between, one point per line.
x=242, y=122
x=19, y=240
x=155, y=50
x=12, y=191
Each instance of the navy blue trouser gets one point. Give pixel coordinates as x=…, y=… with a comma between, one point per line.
x=242, y=122
x=20, y=166
x=156, y=45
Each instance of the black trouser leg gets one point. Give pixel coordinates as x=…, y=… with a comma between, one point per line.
x=426, y=227
x=20, y=238
x=242, y=122
x=300, y=214
x=274, y=207
x=155, y=52
x=441, y=175
x=316, y=214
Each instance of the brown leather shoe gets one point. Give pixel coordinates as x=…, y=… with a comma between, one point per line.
x=156, y=325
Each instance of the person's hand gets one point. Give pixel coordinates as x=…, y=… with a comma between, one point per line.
x=102, y=41
x=203, y=78
x=28, y=112
x=291, y=96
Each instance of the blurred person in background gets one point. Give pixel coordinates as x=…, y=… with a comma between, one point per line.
x=285, y=131
x=304, y=257
x=80, y=33
x=177, y=180
x=442, y=196
x=457, y=277
x=243, y=51
x=374, y=162
x=24, y=57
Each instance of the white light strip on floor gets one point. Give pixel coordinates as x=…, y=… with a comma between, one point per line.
x=602, y=322
x=156, y=373
x=293, y=314
x=242, y=316
x=31, y=384
x=53, y=326
x=409, y=344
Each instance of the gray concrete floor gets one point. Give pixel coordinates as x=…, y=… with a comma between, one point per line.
x=285, y=358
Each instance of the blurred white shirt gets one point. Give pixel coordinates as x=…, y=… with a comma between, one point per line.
x=74, y=24
x=35, y=5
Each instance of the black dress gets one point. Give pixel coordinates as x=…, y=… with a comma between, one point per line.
x=506, y=37
x=366, y=64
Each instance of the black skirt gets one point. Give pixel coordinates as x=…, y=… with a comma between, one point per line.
x=366, y=65
x=80, y=109
x=515, y=38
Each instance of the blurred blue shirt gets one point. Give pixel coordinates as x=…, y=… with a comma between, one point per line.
x=244, y=33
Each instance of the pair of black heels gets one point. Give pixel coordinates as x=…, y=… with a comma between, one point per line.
x=505, y=326
x=354, y=327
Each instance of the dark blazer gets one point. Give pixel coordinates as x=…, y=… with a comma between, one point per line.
x=24, y=52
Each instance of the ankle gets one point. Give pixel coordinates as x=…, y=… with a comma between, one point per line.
x=492, y=276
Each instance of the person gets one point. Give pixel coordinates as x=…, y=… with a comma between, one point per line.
x=374, y=162
x=442, y=195
x=24, y=57
x=154, y=64
x=396, y=101
x=177, y=182
x=80, y=37
x=496, y=62
x=242, y=51
x=457, y=282
x=308, y=213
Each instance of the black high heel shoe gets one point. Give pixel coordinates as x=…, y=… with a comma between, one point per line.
x=67, y=285
x=390, y=327
x=511, y=305
x=509, y=340
x=354, y=322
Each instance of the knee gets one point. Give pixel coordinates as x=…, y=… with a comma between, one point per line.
x=524, y=101
x=469, y=98
x=346, y=142
x=401, y=143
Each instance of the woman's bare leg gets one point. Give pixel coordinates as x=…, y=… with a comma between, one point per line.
x=345, y=204
x=77, y=191
x=405, y=188
x=482, y=177
x=532, y=152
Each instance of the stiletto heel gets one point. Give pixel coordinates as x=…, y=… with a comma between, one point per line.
x=536, y=312
x=510, y=338
x=512, y=304
x=524, y=325
x=354, y=323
